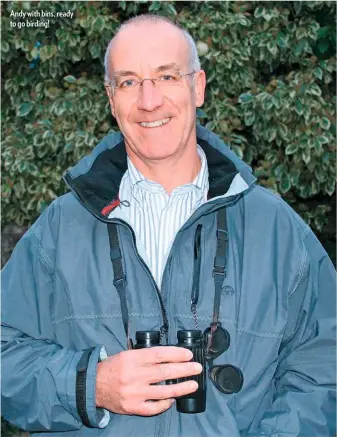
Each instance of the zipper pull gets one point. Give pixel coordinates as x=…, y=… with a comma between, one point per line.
x=164, y=331
x=194, y=313
x=196, y=270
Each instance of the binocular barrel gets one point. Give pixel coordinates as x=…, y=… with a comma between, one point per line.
x=194, y=402
x=192, y=340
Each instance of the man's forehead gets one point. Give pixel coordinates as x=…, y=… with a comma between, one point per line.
x=155, y=44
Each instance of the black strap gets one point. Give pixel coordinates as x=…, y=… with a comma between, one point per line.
x=81, y=386
x=219, y=270
x=119, y=277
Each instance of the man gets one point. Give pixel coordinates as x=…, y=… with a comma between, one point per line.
x=165, y=230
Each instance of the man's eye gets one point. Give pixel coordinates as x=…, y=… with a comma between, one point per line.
x=168, y=77
x=127, y=83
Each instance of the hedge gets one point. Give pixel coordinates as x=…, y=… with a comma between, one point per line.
x=271, y=93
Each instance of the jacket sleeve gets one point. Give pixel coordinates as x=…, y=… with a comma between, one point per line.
x=304, y=402
x=38, y=375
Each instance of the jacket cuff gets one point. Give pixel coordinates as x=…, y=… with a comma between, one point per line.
x=98, y=417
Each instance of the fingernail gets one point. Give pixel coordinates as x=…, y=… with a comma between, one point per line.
x=189, y=354
x=198, y=367
x=193, y=385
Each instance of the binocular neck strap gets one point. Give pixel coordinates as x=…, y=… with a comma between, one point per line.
x=219, y=270
x=119, y=277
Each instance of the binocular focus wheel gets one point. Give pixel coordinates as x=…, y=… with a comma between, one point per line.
x=227, y=378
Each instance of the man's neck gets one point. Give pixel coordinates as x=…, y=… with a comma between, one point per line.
x=172, y=172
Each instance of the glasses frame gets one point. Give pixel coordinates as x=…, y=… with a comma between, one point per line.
x=111, y=86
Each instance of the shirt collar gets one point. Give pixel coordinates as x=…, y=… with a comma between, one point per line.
x=200, y=181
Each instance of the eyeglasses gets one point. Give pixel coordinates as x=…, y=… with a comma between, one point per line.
x=164, y=82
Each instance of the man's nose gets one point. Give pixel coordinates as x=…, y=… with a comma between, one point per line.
x=150, y=97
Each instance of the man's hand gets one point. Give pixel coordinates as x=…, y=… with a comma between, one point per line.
x=124, y=380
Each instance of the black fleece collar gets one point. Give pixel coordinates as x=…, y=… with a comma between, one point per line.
x=98, y=188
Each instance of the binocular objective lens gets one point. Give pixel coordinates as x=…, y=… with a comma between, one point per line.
x=227, y=378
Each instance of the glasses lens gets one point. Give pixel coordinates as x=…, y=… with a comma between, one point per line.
x=227, y=378
x=219, y=344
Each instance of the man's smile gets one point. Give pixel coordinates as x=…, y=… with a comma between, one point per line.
x=156, y=123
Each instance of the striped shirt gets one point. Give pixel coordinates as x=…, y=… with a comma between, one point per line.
x=155, y=216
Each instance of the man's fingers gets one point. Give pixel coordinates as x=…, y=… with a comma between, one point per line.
x=162, y=354
x=149, y=408
x=170, y=391
x=162, y=372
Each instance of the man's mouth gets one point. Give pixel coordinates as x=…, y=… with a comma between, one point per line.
x=155, y=123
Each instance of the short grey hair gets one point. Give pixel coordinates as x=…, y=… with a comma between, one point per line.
x=194, y=62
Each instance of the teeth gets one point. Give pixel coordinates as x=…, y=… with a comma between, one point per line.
x=155, y=123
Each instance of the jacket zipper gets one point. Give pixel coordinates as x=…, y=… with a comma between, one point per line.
x=196, y=274
x=165, y=327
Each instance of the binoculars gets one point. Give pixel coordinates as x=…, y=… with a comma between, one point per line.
x=194, y=341
x=228, y=379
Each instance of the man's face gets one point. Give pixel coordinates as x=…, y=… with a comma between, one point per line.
x=155, y=51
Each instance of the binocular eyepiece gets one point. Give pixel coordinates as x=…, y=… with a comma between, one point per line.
x=194, y=341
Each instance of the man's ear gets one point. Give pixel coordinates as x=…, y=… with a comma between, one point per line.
x=110, y=94
x=200, y=85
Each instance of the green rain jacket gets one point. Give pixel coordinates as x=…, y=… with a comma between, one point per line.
x=277, y=303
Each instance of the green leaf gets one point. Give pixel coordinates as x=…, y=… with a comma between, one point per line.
x=98, y=24
x=318, y=147
x=24, y=109
x=95, y=50
x=315, y=90
x=272, y=47
x=271, y=134
x=330, y=187
x=283, y=130
x=4, y=46
x=294, y=175
x=306, y=155
x=281, y=40
x=291, y=149
x=268, y=14
x=325, y=123
x=323, y=139
x=170, y=9
x=22, y=167
x=318, y=72
x=285, y=183
x=245, y=98
x=299, y=47
x=278, y=171
x=299, y=107
x=301, y=32
x=243, y=20
x=69, y=147
x=155, y=6
x=323, y=32
x=70, y=79
x=323, y=46
x=320, y=221
x=268, y=104
x=47, y=52
x=249, y=118
x=258, y=12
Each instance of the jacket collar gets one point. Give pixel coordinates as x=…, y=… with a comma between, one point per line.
x=95, y=180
